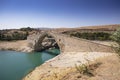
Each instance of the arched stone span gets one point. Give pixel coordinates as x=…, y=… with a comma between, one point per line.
x=68, y=43
x=35, y=41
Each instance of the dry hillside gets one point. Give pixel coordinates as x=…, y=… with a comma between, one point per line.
x=108, y=28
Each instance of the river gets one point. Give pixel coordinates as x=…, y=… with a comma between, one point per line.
x=15, y=65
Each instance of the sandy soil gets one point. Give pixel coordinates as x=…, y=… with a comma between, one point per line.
x=62, y=65
x=109, y=69
x=21, y=45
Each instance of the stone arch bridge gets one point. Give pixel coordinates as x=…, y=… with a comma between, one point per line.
x=67, y=43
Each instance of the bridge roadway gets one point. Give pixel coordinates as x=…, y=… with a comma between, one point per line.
x=67, y=43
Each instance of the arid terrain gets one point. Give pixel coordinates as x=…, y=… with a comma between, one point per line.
x=21, y=45
x=107, y=28
x=108, y=69
x=76, y=64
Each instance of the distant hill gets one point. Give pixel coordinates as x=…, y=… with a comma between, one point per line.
x=102, y=27
x=101, y=33
x=105, y=28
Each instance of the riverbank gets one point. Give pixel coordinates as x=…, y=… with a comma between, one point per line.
x=59, y=67
x=21, y=45
x=62, y=67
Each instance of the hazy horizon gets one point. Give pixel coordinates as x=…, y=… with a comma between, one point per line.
x=58, y=13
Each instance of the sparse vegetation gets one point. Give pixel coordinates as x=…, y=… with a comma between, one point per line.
x=87, y=69
x=9, y=35
x=26, y=29
x=84, y=69
x=92, y=36
x=16, y=34
x=116, y=37
x=13, y=36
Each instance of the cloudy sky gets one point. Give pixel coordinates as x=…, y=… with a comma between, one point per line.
x=58, y=13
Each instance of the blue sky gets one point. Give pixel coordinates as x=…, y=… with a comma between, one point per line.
x=58, y=13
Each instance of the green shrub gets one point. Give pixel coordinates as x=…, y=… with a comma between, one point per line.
x=92, y=36
x=26, y=29
x=84, y=69
x=116, y=37
x=14, y=36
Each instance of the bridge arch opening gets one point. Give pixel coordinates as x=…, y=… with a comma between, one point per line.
x=46, y=42
x=35, y=41
x=49, y=43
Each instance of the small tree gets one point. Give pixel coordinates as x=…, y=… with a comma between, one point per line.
x=26, y=29
x=116, y=37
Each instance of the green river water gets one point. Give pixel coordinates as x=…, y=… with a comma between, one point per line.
x=15, y=65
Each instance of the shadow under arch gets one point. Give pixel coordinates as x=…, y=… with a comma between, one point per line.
x=40, y=39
